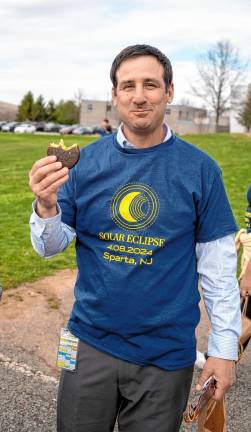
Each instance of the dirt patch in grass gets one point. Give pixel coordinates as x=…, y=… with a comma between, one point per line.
x=32, y=315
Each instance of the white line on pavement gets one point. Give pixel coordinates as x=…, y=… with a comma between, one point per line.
x=26, y=370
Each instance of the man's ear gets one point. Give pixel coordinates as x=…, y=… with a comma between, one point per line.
x=114, y=96
x=170, y=93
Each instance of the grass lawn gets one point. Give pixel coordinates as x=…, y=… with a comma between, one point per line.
x=233, y=154
x=18, y=262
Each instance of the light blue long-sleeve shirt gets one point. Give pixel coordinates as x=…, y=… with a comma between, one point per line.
x=216, y=265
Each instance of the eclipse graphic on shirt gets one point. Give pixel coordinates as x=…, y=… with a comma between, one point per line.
x=134, y=206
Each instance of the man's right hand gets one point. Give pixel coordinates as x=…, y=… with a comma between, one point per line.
x=45, y=178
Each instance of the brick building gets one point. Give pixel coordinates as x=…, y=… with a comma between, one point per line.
x=92, y=113
x=181, y=118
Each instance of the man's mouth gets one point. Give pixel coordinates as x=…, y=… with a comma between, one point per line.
x=140, y=111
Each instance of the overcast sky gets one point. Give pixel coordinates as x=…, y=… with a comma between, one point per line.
x=55, y=47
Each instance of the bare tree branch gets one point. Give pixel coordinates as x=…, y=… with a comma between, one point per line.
x=220, y=74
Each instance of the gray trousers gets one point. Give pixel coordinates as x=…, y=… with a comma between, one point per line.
x=103, y=388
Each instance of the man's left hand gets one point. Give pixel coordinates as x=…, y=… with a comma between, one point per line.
x=224, y=373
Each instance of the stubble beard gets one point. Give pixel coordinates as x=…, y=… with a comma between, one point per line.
x=143, y=127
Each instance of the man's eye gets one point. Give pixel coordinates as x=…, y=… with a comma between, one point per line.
x=150, y=85
x=127, y=86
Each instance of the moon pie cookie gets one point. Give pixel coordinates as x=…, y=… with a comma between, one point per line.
x=68, y=156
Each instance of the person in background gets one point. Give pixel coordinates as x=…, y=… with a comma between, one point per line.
x=105, y=127
x=150, y=215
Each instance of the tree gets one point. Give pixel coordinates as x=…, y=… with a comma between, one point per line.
x=185, y=102
x=64, y=112
x=220, y=73
x=244, y=116
x=51, y=111
x=39, y=111
x=67, y=112
x=25, y=108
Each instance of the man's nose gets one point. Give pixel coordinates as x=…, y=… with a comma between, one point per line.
x=139, y=96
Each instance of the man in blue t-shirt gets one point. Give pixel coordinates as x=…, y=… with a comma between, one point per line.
x=150, y=215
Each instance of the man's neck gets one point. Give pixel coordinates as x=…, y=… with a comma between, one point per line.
x=144, y=140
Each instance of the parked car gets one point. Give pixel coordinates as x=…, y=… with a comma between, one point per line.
x=66, y=130
x=9, y=127
x=52, y=127
x=40, y=126
x=25, y=128
x=78, y=130
x=97, y=130
x=82, y=130
x=2, y=123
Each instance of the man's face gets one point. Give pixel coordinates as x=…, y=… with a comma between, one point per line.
x=140, y=96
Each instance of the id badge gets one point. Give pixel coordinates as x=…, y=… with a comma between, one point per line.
x=67, y=350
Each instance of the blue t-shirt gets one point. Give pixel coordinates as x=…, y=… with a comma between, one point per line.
x=138, y=214
x=248, y=211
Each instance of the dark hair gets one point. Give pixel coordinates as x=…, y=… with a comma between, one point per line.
x=142, y=50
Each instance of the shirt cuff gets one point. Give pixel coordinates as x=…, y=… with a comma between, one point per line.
x=223, y=347
x=41, y=223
